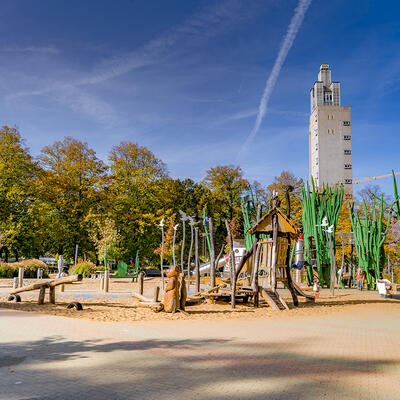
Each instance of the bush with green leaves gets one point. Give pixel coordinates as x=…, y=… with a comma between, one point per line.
x=85, y=268
x=30, y=268
x=10, y=270
x=6, y=270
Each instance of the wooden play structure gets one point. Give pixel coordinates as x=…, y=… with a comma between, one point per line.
x=42, y=286
x=274, y=255
x=263, y=266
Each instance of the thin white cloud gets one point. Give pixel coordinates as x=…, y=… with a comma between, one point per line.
x=31, y=49
x=80, y=101
x=200, y=27
x=203, y=25
x=287, y=43
x=240, y=115
x=244, y=114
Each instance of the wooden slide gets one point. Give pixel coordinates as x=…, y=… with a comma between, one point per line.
x=299, y=291
x=273, y=299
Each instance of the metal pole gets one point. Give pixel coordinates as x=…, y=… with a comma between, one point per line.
x=76, y=254
x=106, y=274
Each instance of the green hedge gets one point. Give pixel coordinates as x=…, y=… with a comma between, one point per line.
x=10, y=270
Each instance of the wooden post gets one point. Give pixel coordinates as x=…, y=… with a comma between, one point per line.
x=288, y=275
x=245, y=257
x=52, y=295
x=196, y=255
x=141, y=281
x=212, y=253
x=274, y=250
x=232, y=262
x=42, y=292
x=257, y=292
x=106, y=280
x=15, y=283
x=156, y=294
x=101, y=283
x=259, y=211
x=219, y=256
x=62, y=287
x=256, y=263
x=20, y=276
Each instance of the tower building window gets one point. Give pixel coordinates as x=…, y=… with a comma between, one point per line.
x=346, y=137
x=347, y=152
x=347, y=166
x=346, y=123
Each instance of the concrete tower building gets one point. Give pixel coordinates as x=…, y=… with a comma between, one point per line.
x=330, y=135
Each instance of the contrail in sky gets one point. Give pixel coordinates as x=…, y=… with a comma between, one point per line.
x=288, y=40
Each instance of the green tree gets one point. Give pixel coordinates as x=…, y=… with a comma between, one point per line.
x=280, y=184
x=72, y=185
x=227, y=184
x=135, y=181
x=17, y=203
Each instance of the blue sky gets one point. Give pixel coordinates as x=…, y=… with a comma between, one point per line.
x=185, y=78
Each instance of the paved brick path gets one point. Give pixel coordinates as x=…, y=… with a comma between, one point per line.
x=337, y=356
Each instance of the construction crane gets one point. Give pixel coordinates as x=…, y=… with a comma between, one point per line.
x=374, y=178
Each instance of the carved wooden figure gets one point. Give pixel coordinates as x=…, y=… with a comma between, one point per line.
x=171, y=296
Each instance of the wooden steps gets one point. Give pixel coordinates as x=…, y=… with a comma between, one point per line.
x=273, y=299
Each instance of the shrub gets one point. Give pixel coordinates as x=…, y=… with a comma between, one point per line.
x=6, y=270
x=396, y=275
x=85, y=268
x=30, y=268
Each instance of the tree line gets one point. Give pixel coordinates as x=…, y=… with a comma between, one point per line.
x=67, y=196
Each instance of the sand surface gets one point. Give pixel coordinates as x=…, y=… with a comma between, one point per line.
x=118, y=305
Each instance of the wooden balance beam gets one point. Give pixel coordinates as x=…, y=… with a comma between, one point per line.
x=49, y=284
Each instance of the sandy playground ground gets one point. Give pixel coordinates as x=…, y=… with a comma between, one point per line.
x=118, y=305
